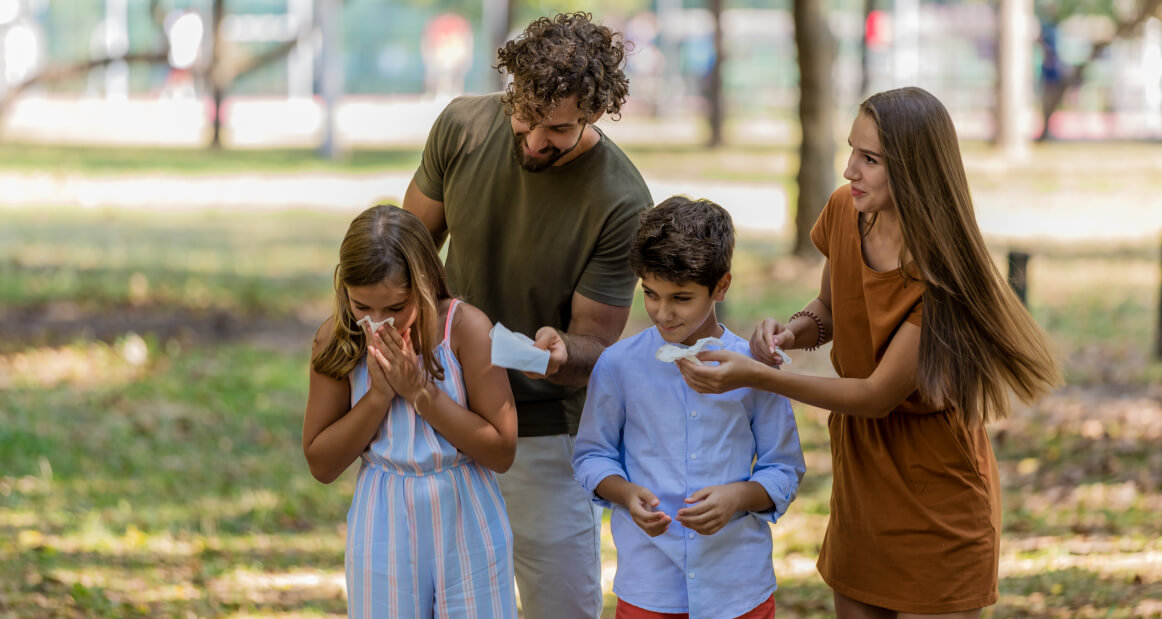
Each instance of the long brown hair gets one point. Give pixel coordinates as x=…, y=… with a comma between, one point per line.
x=385, y=243
x=977, y=340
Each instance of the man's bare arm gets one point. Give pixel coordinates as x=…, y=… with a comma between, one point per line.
x=428, y=210
x=572, y=354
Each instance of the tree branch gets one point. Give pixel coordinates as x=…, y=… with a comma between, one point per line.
x=1076, y=75
x=273, y=54
x=67, y=72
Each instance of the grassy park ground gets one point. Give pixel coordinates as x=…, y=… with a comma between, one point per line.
x=153, y=376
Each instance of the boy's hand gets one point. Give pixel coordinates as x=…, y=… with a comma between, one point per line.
x=641, y=503
x=711, y=508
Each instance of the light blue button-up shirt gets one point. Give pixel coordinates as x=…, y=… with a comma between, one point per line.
x=642, y=422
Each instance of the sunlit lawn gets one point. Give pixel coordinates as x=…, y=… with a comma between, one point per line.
x=160, y=473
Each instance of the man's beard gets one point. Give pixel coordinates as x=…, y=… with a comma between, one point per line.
x=549, y=155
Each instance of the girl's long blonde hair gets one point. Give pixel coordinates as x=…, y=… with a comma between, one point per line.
x=977, y=340
x=385, y=243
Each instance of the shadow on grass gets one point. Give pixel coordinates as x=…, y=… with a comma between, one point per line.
x=1077, y=592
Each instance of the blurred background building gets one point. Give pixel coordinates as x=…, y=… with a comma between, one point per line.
x=400, y=60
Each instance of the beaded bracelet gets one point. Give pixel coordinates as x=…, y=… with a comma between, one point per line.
x=818, y=325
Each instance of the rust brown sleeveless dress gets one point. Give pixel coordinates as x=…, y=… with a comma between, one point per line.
x=915, y=506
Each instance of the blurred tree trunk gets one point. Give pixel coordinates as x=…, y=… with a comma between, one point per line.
x=1014, y=79
x=331, y=63
x=864, y=77
x=498, y=17
x=714, y=95
x=217, y=89
x=1158, y=333
x=816, y=49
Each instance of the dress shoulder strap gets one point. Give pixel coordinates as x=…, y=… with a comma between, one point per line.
x=448, y=322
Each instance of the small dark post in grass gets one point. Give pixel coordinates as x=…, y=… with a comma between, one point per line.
x=1018, y=273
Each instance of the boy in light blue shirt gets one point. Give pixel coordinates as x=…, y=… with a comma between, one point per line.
x=694, y=480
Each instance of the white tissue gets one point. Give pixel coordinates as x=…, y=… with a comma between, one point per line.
x=516, y=351
x=376, y=325
x=670, y=353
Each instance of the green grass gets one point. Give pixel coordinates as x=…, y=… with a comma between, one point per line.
x=254, y=263
x=152, y=490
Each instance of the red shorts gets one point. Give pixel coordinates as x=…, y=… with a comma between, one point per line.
x=625, y=610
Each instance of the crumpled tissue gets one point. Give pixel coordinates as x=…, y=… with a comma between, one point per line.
x=516, y=351
x=376, y=325
x=670, y=353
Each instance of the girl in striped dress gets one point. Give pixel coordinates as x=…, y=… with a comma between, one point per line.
x=414, y=396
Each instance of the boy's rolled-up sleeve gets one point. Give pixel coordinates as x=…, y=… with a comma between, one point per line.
x=779, y=465
x=597, y=450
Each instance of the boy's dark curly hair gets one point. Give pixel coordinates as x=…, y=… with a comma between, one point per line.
x=683, y=240
x=559, y=57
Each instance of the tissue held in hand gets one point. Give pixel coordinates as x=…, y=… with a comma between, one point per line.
x=516, y=351
x=376, y=325
x=670, y=353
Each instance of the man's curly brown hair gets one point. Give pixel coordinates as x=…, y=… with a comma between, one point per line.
x=563, y=56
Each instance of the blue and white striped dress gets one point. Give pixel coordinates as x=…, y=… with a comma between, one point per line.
x=427, y=533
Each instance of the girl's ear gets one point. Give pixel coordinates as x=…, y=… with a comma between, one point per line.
x=721, y=287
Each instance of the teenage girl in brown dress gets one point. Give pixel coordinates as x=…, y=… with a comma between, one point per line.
x=928, y=343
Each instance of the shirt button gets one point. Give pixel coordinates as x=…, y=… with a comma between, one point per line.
x=693, y=413
x=693, y=456
x=691, y=537
x=691, y=574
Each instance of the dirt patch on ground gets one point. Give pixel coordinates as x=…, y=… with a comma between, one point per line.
x=63, y=323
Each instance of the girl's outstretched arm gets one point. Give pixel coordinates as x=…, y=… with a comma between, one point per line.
x=486, y=430
x=893, y=380
x=334, y=433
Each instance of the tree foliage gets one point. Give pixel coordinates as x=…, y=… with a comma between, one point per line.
x=1127, y=18
x=222, y=67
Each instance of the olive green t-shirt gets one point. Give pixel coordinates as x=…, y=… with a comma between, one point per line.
x=521, y=243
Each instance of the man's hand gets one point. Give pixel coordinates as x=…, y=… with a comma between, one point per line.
x=711, y=508
x=553, y=341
